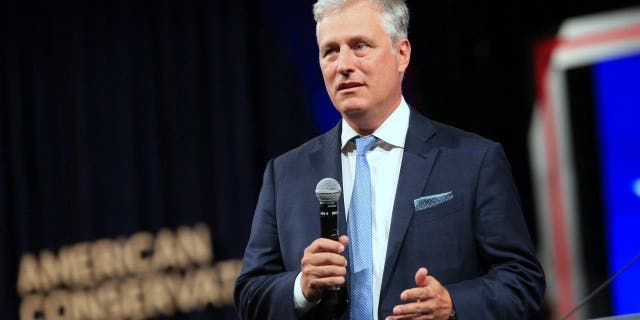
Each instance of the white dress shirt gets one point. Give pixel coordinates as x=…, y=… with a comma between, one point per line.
x=385, y=159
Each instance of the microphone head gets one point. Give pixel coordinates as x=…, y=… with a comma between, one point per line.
x=328, y=189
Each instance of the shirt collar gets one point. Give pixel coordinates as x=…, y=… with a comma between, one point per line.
x=392, y=131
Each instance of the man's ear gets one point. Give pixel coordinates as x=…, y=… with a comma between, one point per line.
x=403, y=54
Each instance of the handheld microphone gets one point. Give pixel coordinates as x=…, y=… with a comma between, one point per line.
x=328, y=192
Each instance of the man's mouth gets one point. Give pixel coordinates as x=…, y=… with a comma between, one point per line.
x=348, y=85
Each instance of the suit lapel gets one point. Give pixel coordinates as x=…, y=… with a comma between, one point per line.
x=417, y=161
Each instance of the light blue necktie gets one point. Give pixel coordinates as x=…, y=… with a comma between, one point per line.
x=359, y=224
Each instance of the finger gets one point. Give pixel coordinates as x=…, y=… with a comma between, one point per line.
x=421, y=293
x=327, y=282
x=404, y=317
x=324, y=245
x=323, y=259
x=433, y=283
x=413, y=308
x=324, y=271
x=421, y=277
x=412, y=317
x=344, y=240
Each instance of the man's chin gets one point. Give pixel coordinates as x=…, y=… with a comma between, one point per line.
x=354, y=112
x=352, y=108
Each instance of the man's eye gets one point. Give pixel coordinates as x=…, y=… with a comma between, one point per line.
x=328, y=52
x=361, y=46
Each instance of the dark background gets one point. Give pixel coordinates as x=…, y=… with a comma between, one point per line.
x=120, y=116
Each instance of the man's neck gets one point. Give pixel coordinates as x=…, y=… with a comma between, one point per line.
x=366, y=124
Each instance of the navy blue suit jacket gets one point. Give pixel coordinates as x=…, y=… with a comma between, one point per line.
x=476, y=244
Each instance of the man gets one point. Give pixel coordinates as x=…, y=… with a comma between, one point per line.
x=440, y=232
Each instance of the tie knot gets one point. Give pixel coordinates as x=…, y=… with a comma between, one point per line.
x=363, y=144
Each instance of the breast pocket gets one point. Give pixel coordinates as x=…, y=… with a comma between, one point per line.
x=439, y=211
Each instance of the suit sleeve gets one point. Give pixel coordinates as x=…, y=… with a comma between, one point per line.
x=264, y=289
x=513, y=285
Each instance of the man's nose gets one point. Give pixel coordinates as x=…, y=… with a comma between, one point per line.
x=345, y=62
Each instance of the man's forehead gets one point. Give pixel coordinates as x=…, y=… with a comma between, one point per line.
x=357, y=20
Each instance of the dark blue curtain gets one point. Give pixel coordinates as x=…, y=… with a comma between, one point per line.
x=121, y=116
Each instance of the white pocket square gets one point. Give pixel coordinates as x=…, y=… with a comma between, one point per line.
x=433, y=200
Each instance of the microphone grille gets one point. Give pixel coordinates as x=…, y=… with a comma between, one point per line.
x=328, y=189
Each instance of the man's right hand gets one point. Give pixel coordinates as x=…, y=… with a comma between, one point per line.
x=323, y=267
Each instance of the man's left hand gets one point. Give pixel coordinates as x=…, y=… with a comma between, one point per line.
x=429, y=300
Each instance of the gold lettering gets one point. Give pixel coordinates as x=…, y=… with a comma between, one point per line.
x=84, y=305
x=106, y=256
x=118, y=256
x=185, y=298
x=96, y=310
x=31, y=307
x=228, y=271
x=80, y=308
x=50, y=269
x=101, y=255
x=207, y=287
x=138, y=253
x=81, y=265
x=157, y=298
x=75, y=265
x=131, y=299
x=65, y=263
x=28, y=275
x=166, y=253
x=57, y=305
x=148, y=294
x=108, y=296
x=196, y=243
x=172, y=282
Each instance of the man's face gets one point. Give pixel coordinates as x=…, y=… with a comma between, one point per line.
x=361, y=72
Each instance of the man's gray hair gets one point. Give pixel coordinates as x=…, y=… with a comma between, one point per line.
x=395, y=15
